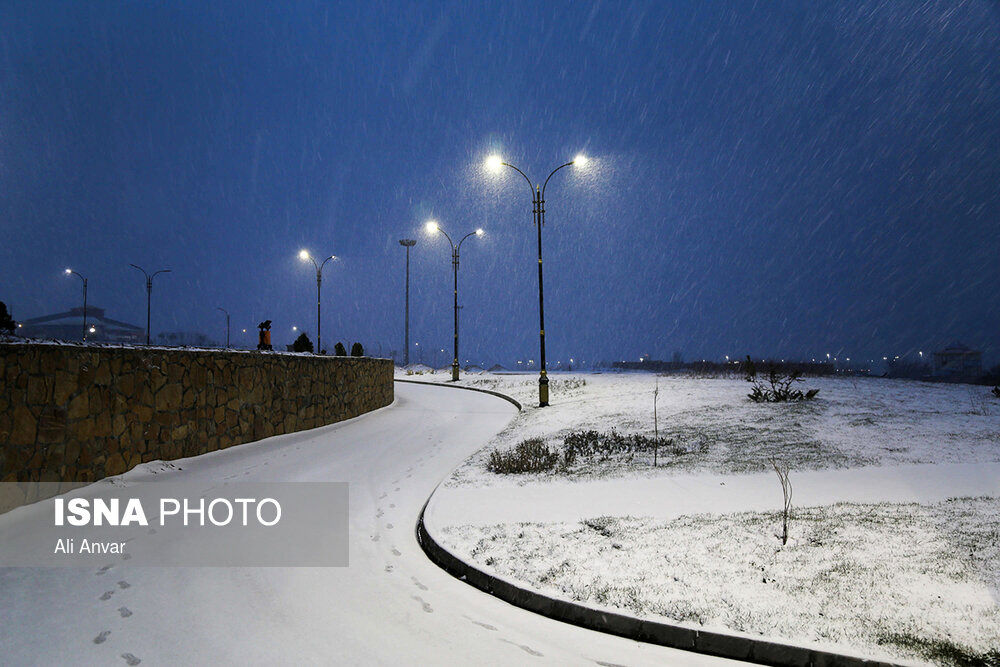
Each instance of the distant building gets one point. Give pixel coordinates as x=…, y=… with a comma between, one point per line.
x=958, y=361
x=69, y=326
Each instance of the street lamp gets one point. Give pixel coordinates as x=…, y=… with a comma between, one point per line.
x=227, y=325
x=306, y=257
x=407, y=243
x=149, y=292
x=495, y=163
x=72, y=272
x=434, y=228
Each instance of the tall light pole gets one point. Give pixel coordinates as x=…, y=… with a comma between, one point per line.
x=407, y=243
x=305, y=256
x=149, y=292
x=495, y=163
x=227, y=325
x=72, y=272
x=433, y=228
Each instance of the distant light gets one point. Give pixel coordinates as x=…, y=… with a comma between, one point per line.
x=295, y=328
x=68, y=271
x=432, y=227
x=303, y=254
x=494, y=163
x=19, y=325
x=244, y=331
x=480, y=232
x=580, y=160
x=92, y=330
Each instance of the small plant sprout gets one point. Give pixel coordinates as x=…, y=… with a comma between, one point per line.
x=786, y=491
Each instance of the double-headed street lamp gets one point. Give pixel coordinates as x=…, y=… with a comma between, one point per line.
x=72, y=272
x=149, y=292
x=407, y=243
x=433, y=228
x=305, y=256
x=495, y=163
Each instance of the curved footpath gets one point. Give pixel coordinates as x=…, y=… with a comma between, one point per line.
x=391, y=606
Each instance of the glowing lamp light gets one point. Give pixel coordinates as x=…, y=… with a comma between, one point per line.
x=304, y=255
x=68, y=271
x=295, y=328
x=92, y=330
x=494, y=163
x=580, y=160
x=480, y=232
x=431, y=227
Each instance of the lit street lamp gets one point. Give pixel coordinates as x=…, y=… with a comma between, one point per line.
x=495, y=163
x=149, y=292
x=407, y=243
x=433, y=228
x=227, y=325
x=305, y=256
x=69, y=272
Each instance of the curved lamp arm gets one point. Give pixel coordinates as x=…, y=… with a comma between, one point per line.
x=530, y=185
x=544, y=185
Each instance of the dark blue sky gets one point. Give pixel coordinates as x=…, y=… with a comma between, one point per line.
x=776, y=178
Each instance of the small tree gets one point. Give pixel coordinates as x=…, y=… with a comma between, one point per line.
x=339, y=349
x=656, y=423
x=7, y=323
x=786, y=491
x=302, y=343
x=357, y=350
x=996, y=391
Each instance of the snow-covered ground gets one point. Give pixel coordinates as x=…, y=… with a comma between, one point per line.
x=391, y=606
x=901, y=571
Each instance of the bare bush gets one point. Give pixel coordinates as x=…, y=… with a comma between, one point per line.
x=776, y=387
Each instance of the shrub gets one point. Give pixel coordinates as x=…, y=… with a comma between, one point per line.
x=996, y=391
x=302, y=343
x=531, y=455
x=357, y=350
x=339, y=349
x=777, y=387
x=603, y=446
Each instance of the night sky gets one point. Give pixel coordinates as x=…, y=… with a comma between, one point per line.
x=788, y=179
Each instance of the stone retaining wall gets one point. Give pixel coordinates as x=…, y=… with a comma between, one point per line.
x=73, y=414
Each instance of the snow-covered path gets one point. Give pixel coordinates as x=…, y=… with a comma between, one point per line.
x=671, y=496
x=391, y=606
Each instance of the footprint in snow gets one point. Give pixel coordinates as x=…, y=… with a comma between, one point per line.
x=130, y=659
x=107, y=595
x=389, y=567
x=124, y=611
x=418, y=584
x=104, y=568
x=526, y=649
x=481, y=624
x=396, y=552
x=376, y=537
x=123, y=584
x=426, y=607
x=392, y=505
x=379, y=513
x=389, y=526
x=101, y=638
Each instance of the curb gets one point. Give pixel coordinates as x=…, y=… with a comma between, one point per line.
x=719, y=644
x=458, y=386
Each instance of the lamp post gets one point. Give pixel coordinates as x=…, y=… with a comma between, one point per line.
x=433, y=228
x=305, y=256
x=227, y=325
x=495, y=163
x=69, y=272
x=149, y=292
x=407, y=243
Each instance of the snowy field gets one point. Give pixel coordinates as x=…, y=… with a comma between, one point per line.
x=853, y=422
x=900, y=582
x=895, y=529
